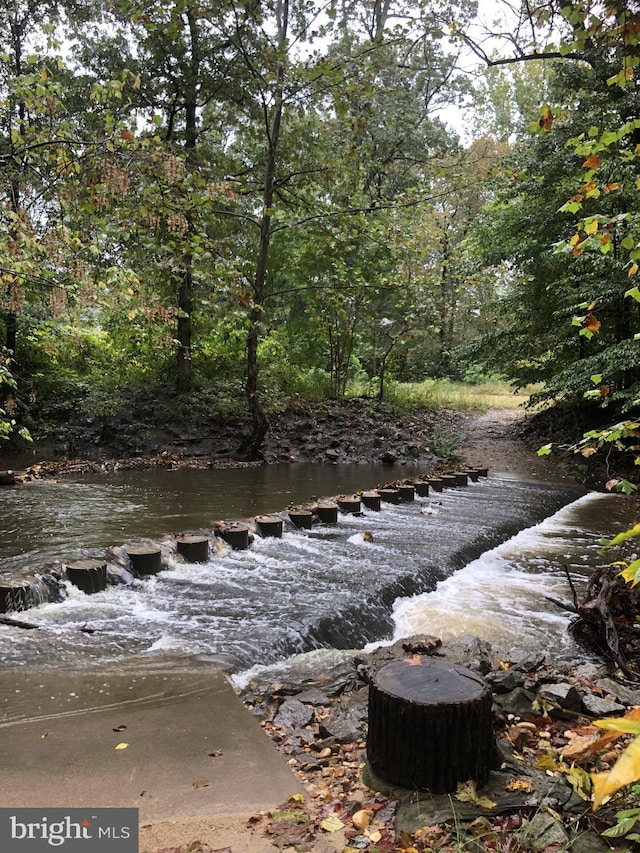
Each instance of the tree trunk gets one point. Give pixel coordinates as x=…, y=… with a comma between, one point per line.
x=430, y=725
x=250, y=447
x=185, y=307
x=185, y=290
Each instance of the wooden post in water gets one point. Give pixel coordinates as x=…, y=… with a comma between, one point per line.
x=371, y=500
x=194, y=549
x=430, y=725
x=15, y=597
x=269, y=525
x=407, y=492
x=327, y=512
x=301, y=518
x=348, y=504
x=145, y=560
x=235, y=535
x=88, y=575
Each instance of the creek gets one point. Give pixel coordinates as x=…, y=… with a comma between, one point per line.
x=478, y=559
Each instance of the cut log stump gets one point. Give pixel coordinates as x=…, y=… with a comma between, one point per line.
x=407, y=492
x=430, y=725
x=88, y=575
x=301, y=518
x=371, y=500
x=350, y=504
x=269, y=525
x=235, y=535
x=194, y=549
x=145, y=561
x=327, y=513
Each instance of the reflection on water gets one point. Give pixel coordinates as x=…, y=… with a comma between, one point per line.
x=42, y=523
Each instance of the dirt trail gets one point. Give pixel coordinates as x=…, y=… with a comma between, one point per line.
x=493, y=440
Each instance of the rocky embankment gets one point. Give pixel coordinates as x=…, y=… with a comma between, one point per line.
x=340, y=432
x=536, y=799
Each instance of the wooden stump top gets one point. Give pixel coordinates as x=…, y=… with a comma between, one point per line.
x=429, y=681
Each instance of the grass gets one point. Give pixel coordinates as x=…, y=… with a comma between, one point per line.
x=461, y=396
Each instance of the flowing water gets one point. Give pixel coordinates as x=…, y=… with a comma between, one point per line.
x=479, y=559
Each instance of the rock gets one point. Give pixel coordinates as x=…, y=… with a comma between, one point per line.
x=516, y=702
x=388, y=457
x=628, y=694
x=313, y=696
x=471, y=652
x=530, y=664
x=589, y=842
x=544, y=830
x=344, y=729
x=504, y=680
x=601, y=706
x=563, y=695
x=293, y=714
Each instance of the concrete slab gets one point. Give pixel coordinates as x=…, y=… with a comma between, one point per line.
x=191, y=746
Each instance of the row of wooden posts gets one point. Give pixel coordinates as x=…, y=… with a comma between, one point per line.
x=91, y=575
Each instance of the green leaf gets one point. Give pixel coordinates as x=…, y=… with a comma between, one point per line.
x=545, y=450
x=621, y=828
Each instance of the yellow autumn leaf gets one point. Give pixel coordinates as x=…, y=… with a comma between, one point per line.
x=575, y=239
x=122, y=746
x=633, y=269
x=624, y=771
x=467, y=793
x=591, y=227
x=625, y=725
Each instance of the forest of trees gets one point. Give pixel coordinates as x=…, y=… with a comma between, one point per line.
x=265, y=200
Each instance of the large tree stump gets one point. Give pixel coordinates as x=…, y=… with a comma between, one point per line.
x=429, y=725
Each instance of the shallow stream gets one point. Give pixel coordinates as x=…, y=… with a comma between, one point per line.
x=479, y=559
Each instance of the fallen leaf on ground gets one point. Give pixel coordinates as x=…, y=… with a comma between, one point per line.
x=122, y=746
x=467, y=793
x=332, y=824
x=201, y=783
x=519, y=785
